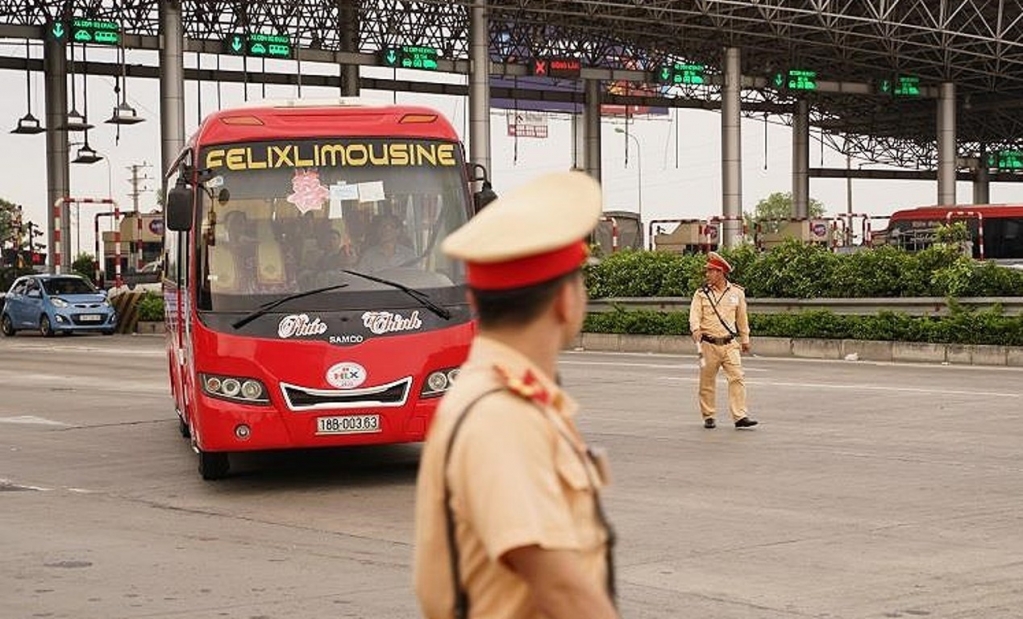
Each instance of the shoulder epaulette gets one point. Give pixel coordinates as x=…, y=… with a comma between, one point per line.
x=527, y=386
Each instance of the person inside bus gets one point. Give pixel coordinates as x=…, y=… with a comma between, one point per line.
x=384, y=248
x=232, y=256
x=337, y=254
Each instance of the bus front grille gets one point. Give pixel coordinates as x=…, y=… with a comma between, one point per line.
x=304, y=398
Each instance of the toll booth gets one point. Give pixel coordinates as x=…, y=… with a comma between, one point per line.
x=690, y=236
x=149, y=242
x=618, y=230
x=773, y=232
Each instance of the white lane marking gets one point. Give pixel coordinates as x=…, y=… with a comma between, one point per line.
x=142, y=352
x=31, y=420
x=862, y=387
x=656, y=366
x=100, y=383
x=7, y=483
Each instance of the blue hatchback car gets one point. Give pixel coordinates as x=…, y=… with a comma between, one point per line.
x=56, y=304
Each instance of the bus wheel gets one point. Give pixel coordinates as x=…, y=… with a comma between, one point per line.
x=183, y=428
x=213, y=465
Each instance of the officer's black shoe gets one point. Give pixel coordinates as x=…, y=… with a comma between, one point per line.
x=745, y=422
x=709, y=423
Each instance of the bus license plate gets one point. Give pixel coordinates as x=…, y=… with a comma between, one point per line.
x=348, y=424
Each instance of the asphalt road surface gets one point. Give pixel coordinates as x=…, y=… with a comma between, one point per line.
x=869, y=490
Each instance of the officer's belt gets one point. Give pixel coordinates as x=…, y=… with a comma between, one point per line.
x=717, y=340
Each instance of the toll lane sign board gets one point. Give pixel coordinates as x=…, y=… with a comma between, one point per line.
x=570, y=68
x=85, y=31
x=682, y=73
x=1006, y=160
x=410, y=57
x=900, y=86
x=259, y=45
x=795, y=79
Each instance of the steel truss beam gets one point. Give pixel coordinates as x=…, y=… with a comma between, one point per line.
x=978, y=44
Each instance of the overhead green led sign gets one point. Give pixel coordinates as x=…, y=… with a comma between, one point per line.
x=795, y=79
x=901, y=86
x=85, y=31
x=1006, y=160
x=259, y=45
x=681, y=73
x=410, y=57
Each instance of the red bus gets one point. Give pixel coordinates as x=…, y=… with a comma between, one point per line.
x=307, y=301
x=996, y=230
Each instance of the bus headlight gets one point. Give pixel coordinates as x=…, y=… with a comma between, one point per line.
x=235, y=388
x=252, y=389
x=438, y=382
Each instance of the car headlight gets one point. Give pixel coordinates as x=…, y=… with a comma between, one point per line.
x=234, y=388
x=438, y=382
x=58, y=302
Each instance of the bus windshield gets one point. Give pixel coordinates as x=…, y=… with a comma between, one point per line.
x=278, y=218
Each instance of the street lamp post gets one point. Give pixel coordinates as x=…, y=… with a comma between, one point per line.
x=639, y=172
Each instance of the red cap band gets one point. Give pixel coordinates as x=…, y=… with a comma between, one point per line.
x=716, y=263
x=526, y=271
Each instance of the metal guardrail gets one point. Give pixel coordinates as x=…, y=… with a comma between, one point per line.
x=912, y=306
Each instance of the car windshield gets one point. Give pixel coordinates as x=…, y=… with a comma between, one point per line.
x=278, y=218
x=67, y=285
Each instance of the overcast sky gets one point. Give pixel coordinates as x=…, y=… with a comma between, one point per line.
x=690, y=187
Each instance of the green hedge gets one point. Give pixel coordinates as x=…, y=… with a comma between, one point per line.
x=960, y=327
x=795, y=270
x=151, y=307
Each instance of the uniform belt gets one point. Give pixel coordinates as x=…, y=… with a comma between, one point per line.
x=717, y=340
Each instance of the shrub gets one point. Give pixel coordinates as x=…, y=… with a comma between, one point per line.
x=150, y=307
x=796, y=270
x=960, y=327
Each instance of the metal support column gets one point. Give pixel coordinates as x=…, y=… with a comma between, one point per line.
x=982, y=179
x=579, y=141
x=348, y=12
x=801, y=159
x=479, y=85
x=172, y=84
x=947, y=144
x=58, y=171
x=591, y=120
x=731, y=150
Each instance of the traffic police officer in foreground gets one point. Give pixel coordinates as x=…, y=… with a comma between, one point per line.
x=508, y=516
x=720, y=327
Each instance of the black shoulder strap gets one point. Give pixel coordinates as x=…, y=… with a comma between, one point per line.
x=714, y=306
x=461, y=596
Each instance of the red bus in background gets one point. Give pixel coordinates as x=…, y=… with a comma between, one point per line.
x=996, y=230
x=308, y=302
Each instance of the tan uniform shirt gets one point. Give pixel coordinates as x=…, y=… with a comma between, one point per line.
x=518, y=475
x=731, y=304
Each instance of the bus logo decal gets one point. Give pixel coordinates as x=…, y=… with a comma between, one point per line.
x=346, y=375
x=390, y=322
x=353, y=338
x=298, y=325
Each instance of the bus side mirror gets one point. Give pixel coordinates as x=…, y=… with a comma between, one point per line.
x=179, y=212
x=484, y=196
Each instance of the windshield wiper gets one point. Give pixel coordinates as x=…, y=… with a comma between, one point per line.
x=266, y=307
x=418, y=295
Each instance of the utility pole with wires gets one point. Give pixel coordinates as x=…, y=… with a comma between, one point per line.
x=136, y=191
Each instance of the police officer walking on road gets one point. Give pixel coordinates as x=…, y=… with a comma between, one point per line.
x=509, y=522
x=720, y=327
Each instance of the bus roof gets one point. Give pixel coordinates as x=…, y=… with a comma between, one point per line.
x=940, y=212
x=321, y=118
